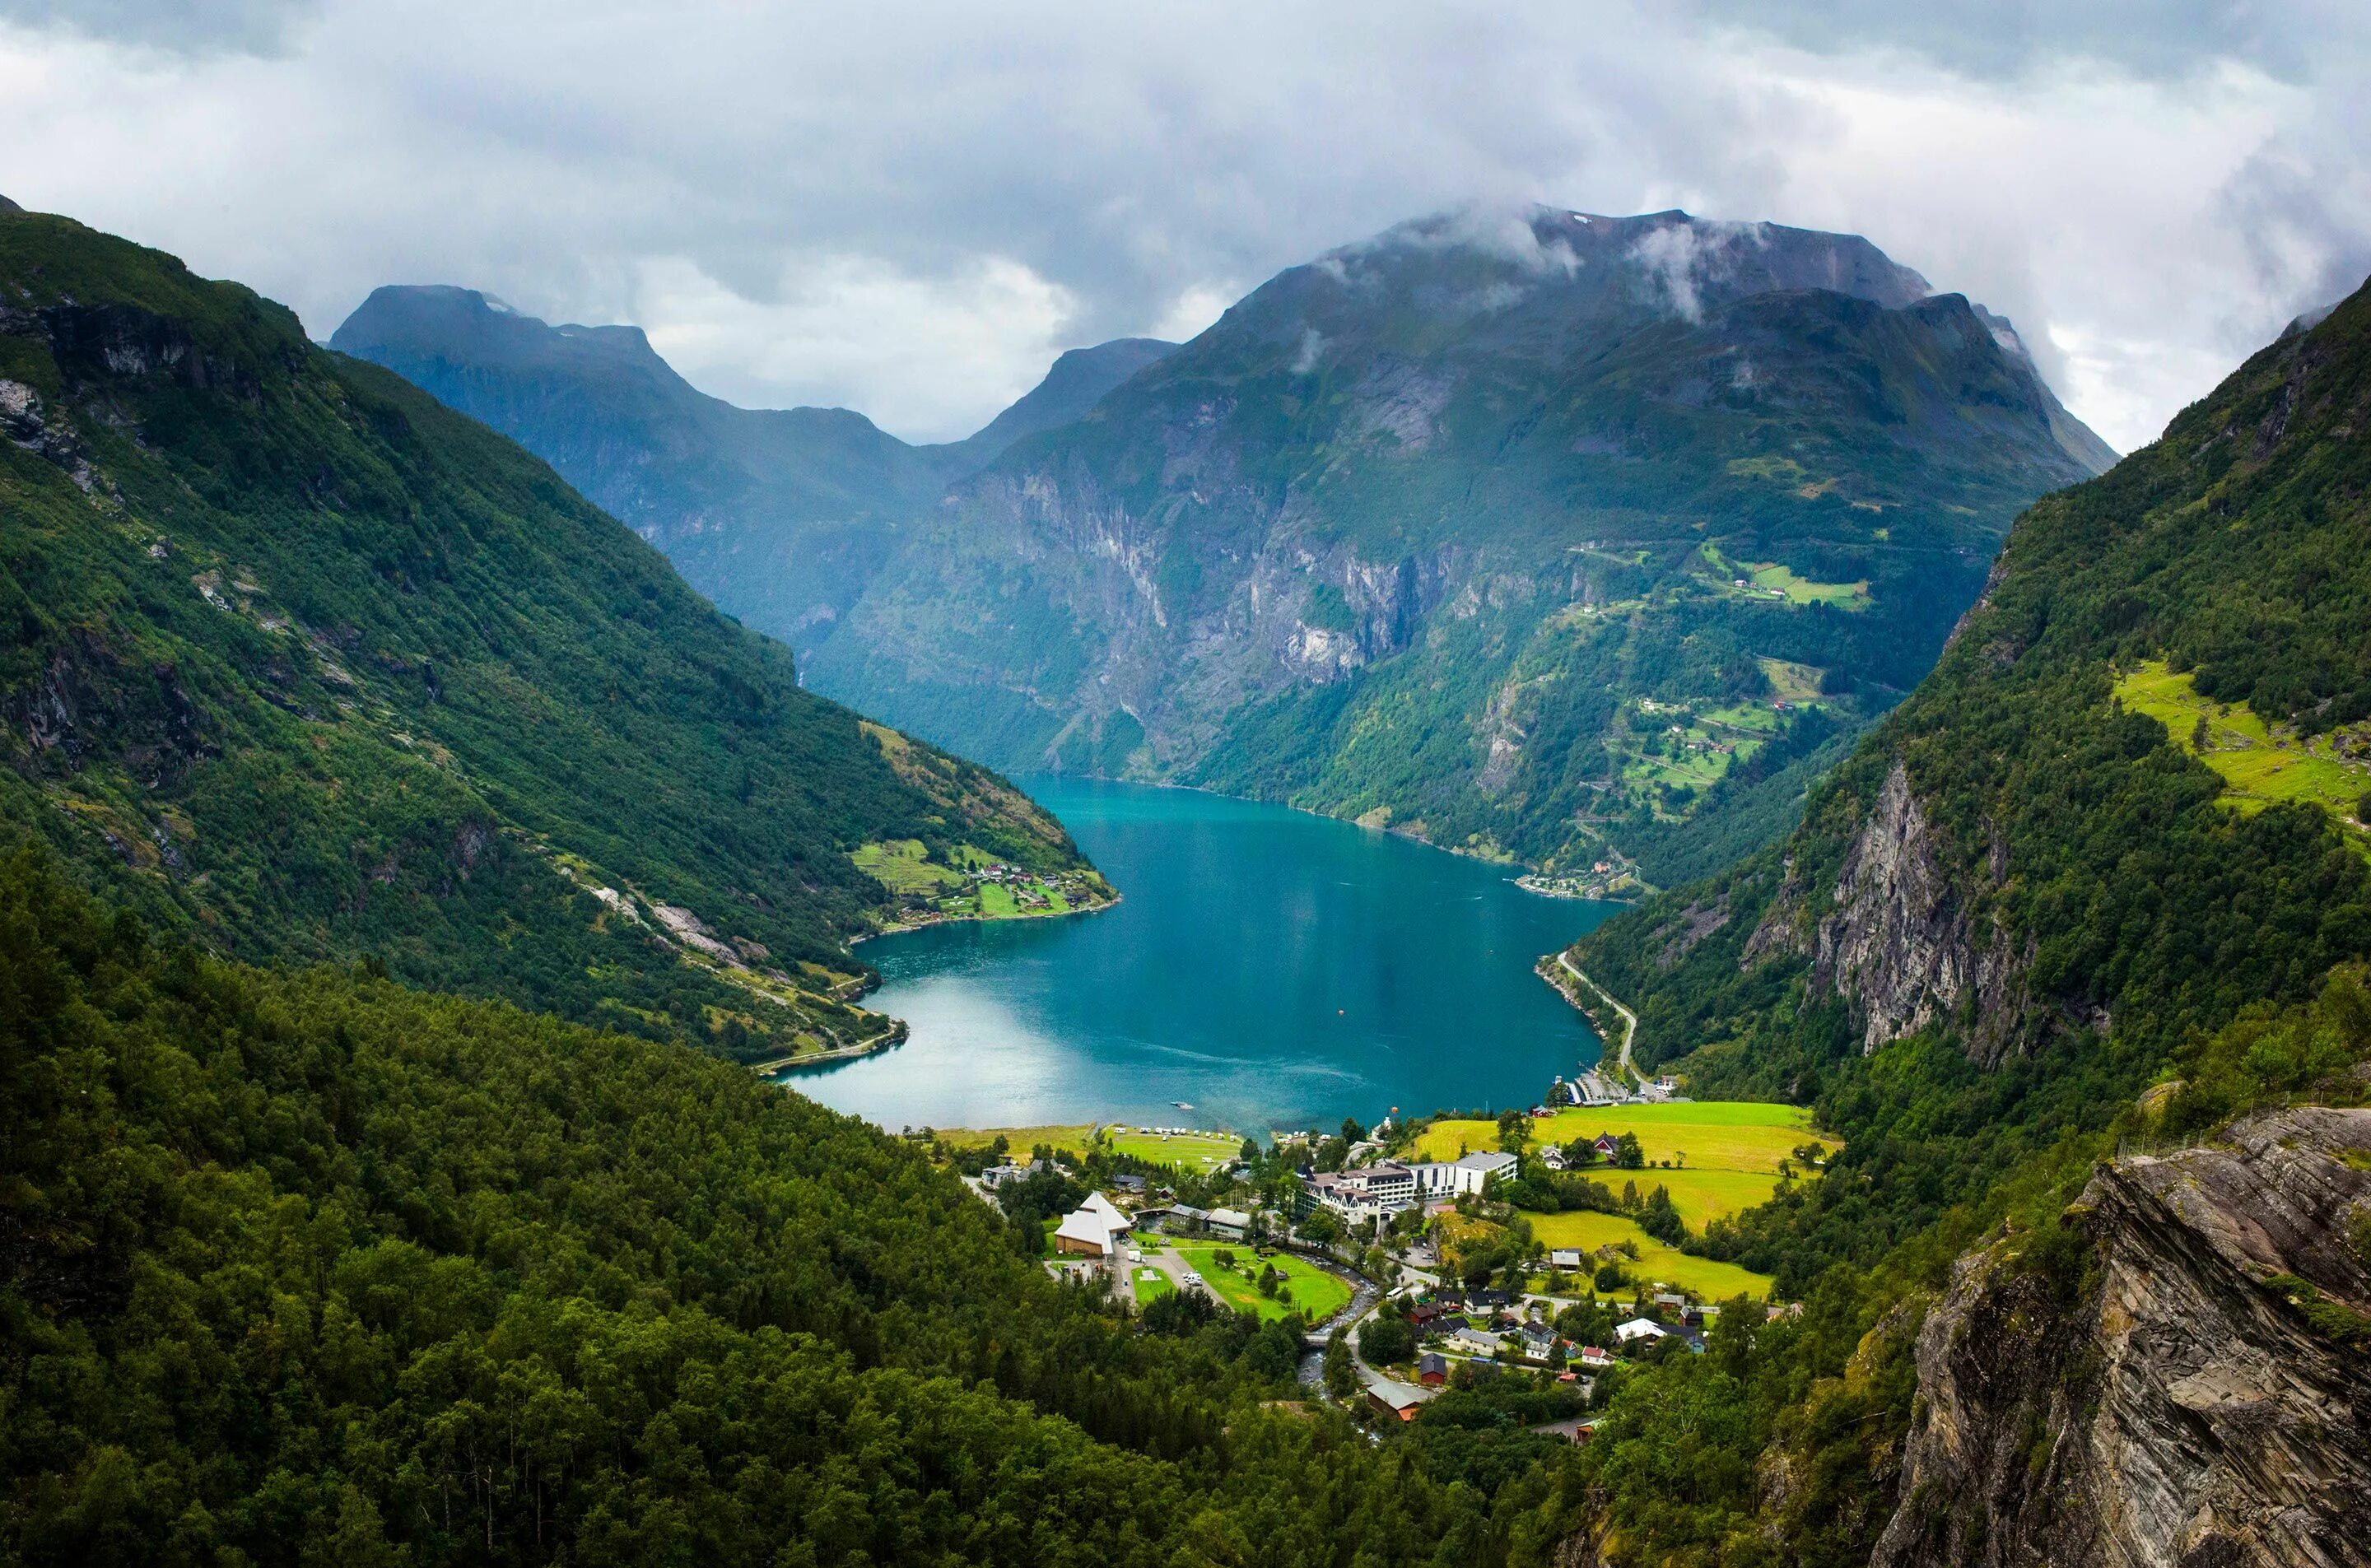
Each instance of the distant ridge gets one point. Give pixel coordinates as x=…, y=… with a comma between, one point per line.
x=779, y=515
x=310, y=668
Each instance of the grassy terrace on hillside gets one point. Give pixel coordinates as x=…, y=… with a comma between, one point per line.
x=1705, y=1278
x=2261, y=765
x=1767, y=579
x=969, y=883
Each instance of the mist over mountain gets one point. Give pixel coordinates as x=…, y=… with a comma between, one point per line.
x=779, y=515
x=1509, y=531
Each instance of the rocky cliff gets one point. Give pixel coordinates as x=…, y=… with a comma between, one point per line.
x=2190, y=1391
x=1904, y=935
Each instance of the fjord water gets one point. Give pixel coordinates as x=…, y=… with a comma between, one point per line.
x=1271, y=968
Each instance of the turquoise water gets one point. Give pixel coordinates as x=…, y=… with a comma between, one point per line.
x=1271, y=968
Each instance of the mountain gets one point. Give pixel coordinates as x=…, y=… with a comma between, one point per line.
x=1573, y=539
x=1079, y=380
x=779, y=515
x=2069, y=956
x=300, y=662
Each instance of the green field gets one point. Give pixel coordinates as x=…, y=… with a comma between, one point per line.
x=1769, y=579
x=1702, y=1277
x=2260, y=765
x=1730, y=1148
x=1196, y=1152
x=1151, y=1284
x=898, y=865
x=1021, y=1139
x=1790, y=682
x=1306, y=1288
x=1803, y=590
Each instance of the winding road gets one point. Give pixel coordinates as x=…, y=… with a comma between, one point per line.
x=1629, y=1019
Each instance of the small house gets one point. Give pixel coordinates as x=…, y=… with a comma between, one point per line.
x=1393, y=1400
x=1564, y=1258
x=1230, y=1225
x=1594, y=1360
x=1470, y=1341
x=1432, y=1369
x=1638, y=1329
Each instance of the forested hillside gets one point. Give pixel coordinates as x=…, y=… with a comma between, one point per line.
x=2023, y=893
x=1531, y=533
x=294, y=658
x=311, y=1269
x=2026, y=926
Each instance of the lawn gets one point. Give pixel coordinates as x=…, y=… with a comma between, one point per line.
x=1196, y=1152
x=1720, y=1134
x=1703, y=1278
x=1769, y=579
x=1790, y=682
x=2260, y=765
x=1803, y=590
x=1307, y=1288
x=1151, y=1284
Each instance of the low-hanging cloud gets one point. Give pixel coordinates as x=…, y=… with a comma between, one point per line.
x=966, y=190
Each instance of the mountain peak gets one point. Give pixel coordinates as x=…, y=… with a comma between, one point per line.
x=1078, y=381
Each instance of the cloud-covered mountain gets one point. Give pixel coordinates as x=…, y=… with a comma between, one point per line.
x=1539, y=532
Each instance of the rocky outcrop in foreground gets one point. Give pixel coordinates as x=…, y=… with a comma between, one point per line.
x=2190, y=1390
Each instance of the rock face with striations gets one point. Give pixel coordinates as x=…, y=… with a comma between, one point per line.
x=2201, y=1398
x=1900, y=939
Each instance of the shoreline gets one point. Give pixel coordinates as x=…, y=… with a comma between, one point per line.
x=1113, y=902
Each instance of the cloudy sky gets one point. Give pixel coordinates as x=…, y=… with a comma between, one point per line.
x=910, y=211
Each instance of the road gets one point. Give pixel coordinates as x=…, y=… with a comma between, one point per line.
x=1629, y=1019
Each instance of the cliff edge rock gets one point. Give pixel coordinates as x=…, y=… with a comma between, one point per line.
x=2191, y=1390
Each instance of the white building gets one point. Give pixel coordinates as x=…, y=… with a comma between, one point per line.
x=1094, y=1229
x=1639, y=1329
x=1466, y=1174
x=1231, y=1225
x=1473, y=1341
x=1373, y=1192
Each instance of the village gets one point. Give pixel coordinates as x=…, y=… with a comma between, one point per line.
x=1403, y=1264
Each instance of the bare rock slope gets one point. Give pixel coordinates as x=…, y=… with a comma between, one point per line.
x=2197, y=1396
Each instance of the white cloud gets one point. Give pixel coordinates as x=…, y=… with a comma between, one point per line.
x=893, y=207
x=934, y=350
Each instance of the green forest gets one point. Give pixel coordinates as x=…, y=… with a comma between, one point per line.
x=296, y=657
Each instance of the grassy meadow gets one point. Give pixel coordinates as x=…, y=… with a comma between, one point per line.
x=2261, y=765
x=1705, y=1278
x=1306, y=1288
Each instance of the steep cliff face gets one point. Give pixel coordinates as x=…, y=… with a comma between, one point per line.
x=1903, y=935
x=2199, y=1397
